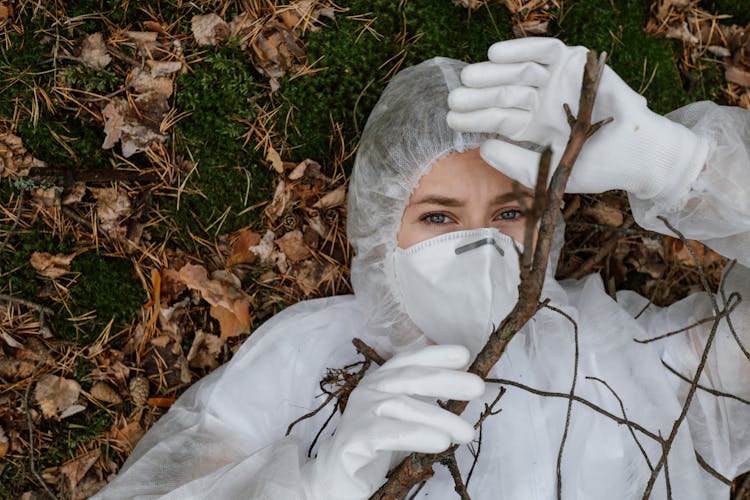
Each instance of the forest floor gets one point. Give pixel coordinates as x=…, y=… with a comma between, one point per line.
x=174, y=173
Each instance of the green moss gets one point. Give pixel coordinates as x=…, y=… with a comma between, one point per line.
x=357, y=57
x=105, y=285
x=221, y=89
x=221, y=93
x=100, y=81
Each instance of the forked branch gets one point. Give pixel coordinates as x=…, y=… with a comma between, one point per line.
x=417, y=467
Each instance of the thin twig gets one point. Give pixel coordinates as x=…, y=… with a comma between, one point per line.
x=570, y=401
x=625, y=416
x=320, y=431
x=703, y=387
x=489, y=410
x=667, y=482
x=696, y=261
x=732, y=330
x=675, y=332
x=310, y=414
x=702, y=462
x=33, y=305
x=368, y=352
x=578, y=399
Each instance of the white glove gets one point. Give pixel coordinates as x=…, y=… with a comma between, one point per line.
x=381, y=417
x=519, y=93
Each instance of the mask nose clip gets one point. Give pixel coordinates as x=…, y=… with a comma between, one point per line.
x=479, y=243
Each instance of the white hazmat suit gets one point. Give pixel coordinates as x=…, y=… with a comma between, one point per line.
x=225, y=437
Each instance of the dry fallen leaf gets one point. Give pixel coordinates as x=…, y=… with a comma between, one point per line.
x=5, y=12
x=15, y=369
x=102, y=391
x=679, y=253
x=648, y=258
x=231, y=306
x=110, y=366
x=94, y=52
x=313, y=274
x=209, y=29
x=46, y=198
x=112, y=205
x=139, y=390
x=241, y=253
x=15, y=160
x=737, y=75
x=4, y=443
x=205, y=350
x=274, y=157
x=332, y=199
x=138, y=121
x=605, y=214
x=274, y=51
x=126, y=434
x=51, y=266
x=303, y=15
x=280, y=200
x=293, y=245
x=55, y=395
x=73, y=193
x=75, y=469
x=265, y=249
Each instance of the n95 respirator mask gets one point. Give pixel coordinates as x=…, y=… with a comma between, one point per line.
x=458, y=287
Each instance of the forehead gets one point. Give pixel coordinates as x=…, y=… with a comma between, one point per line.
x=463, y=174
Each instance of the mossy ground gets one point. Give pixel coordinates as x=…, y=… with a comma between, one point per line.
x=353, y=55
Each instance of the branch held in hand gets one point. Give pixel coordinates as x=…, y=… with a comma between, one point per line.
x=546, y=207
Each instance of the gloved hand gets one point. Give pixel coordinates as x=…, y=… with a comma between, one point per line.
x=382, y=417
x=519, y=93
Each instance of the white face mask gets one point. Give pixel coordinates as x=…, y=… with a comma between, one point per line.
x=458, y=286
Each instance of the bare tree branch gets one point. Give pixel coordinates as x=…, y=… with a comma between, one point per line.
x=417, y=467
x=729, y=306
x=450, y=463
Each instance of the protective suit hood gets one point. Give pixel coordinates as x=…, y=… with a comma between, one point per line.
x=405, y=135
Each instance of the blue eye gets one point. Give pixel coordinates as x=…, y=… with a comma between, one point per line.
x=436, y=218
x=510, y=215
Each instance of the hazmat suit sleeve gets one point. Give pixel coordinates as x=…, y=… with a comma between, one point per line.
x=225, y=437
x=716, y=211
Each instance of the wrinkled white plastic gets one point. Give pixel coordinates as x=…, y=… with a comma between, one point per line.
x=383, y=417
x=519, y=94
x=225, y=437
x=457, y=287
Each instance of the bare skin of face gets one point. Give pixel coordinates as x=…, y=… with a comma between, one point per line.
x=462, y=192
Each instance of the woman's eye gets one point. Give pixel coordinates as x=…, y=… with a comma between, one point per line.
x=436, y=218
x=510, y=214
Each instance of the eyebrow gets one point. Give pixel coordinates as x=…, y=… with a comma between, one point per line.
x=447, y=201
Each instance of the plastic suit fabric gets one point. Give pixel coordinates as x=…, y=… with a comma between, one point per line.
x=225, y=437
